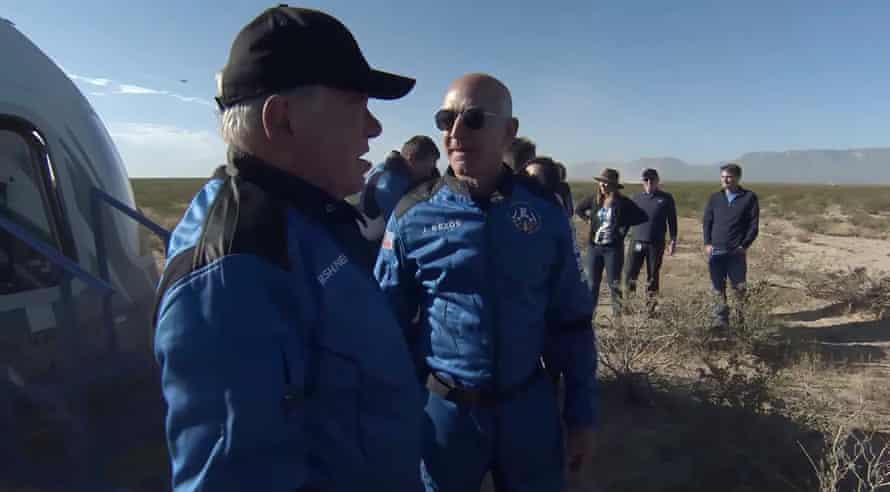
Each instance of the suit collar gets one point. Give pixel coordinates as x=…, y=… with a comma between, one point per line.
x=303, y=195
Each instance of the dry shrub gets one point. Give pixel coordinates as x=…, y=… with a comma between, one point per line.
x=740, y=382
x=804, y=238
x=813, y=224
x=855, y=288
x=636, y=343
x=730, y=368
x=638, y=346
x=734, y=373
x=853, y=457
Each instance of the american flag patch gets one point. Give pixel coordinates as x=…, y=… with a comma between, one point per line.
x=387, y=240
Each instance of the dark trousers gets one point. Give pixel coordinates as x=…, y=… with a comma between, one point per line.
x=732, y=266
x=652, y=255
x=611, y=258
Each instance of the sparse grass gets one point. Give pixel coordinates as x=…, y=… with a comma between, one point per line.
x=165, y=197
x=804, y=205
x=856, y=289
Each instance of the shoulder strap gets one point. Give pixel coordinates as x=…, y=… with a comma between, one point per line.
x=420, y=193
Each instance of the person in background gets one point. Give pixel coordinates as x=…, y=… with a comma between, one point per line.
x=551, y=175
x=388, y=181
x=648, y=240
x=543, y=170
x=730, y=225
x=564, y=190
x=611, y=215
x=520, y=152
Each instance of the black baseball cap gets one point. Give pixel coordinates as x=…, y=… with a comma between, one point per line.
x=286, y=47
x=649, y=173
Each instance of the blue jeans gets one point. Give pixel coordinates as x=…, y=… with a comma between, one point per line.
x=723, y=266
x=611, y=259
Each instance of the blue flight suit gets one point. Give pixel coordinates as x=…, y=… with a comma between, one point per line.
x=282, y=365
x=385, y=184
x=486, y=288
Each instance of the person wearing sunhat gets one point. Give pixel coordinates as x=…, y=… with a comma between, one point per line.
x=610, y=214
x=270, y=383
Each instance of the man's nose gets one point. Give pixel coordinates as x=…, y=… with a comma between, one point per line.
x=373, y=125
x=458, y=128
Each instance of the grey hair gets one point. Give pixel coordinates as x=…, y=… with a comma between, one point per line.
x=239, y=123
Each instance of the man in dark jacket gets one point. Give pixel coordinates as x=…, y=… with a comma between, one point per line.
x=730, y=226
x=648, y=239
x=564, y=190
x=611, y=215
x=521, y=150
x=282, y=366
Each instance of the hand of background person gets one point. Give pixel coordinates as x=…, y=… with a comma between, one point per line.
x=709, y=249
x=672, y=247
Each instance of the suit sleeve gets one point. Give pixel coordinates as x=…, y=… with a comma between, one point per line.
x=708, y=221
x=396, y=276
x=572, y=346
x=672, y=218
x=753, y=222
x=226, y=377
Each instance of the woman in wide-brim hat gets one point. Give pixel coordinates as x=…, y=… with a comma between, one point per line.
x=610, y=215
x=610, y=178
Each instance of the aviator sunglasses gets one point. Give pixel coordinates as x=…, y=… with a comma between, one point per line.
x=474, y=118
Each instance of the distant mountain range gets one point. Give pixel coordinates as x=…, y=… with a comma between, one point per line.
x=853, y=166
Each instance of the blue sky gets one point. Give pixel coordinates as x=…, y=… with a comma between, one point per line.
x=699, y=80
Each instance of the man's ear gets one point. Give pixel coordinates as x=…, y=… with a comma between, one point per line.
x=276, y=122
x=511, y=130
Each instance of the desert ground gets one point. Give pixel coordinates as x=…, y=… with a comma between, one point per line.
x=795, y=398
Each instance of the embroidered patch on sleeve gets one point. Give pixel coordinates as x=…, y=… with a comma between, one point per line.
x=387, y=241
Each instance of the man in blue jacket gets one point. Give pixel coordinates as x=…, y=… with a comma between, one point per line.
x=282, y=366
x=730, y=225
x=483, y=270
x=388, y=182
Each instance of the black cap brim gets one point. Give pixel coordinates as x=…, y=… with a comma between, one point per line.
x=384, y=85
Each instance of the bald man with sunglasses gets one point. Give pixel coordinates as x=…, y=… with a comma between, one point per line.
x=457, y=250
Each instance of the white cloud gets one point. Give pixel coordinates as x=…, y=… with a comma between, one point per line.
x=91, y=81
x=135, y=89
x=150, y=150
x=194, y=100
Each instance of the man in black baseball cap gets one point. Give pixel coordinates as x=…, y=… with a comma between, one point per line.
x=649, y=239
x=283, y=366
x=285, y=47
